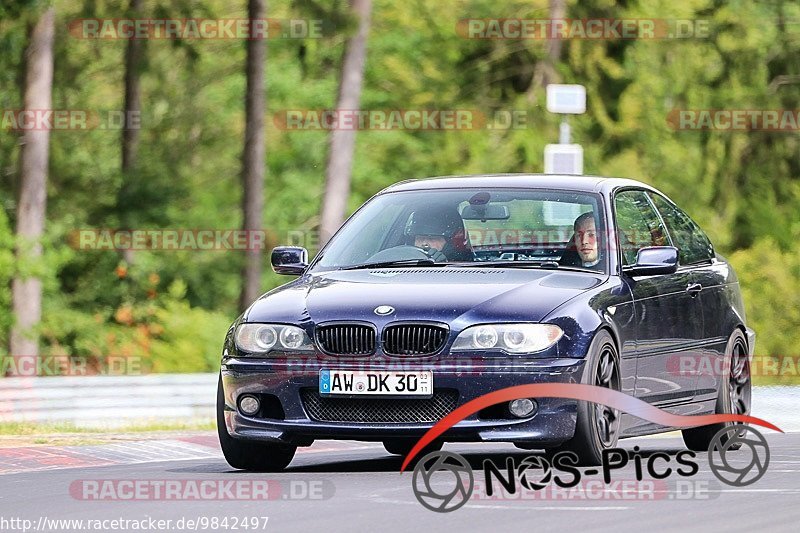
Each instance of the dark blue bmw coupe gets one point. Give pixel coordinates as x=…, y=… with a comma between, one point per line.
x=438, y=291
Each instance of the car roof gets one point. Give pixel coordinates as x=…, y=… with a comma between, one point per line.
x=534, y=181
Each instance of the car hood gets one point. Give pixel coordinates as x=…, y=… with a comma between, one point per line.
x=444, y=294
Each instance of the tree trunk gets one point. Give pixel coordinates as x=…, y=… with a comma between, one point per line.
x=545, y=71
x=133, y=106
x=558, y=10
x=27, y=292
x=133, y=60
x=253, y=157
x=342, y=144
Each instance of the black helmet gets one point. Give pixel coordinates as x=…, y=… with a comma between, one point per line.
x=436, y=221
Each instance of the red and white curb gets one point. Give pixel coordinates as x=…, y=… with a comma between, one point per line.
x=39, y=458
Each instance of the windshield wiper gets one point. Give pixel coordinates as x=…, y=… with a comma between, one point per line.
x=547, y=265
x=398, y=263
x=521, y=263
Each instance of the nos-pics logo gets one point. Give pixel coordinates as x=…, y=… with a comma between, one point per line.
x=444, y=481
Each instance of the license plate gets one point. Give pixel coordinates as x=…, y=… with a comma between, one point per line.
x=376, y=383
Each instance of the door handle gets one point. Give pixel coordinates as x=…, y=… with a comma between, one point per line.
x=694, y=289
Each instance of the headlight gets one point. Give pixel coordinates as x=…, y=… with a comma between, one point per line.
x=510, y=338
x=265, y=338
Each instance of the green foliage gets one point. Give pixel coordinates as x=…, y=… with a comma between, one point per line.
x=190, y=339
x=770, y=281
x=742, y=187
x=6, y=273
x=161, y=331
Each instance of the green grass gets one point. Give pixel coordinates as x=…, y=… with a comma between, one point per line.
x=34, y=429
x=770, y=381
x=768, y=370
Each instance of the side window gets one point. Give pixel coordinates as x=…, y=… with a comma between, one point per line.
x=638, y=224
x=693, y=245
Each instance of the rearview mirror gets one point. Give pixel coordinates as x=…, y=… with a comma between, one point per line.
x=485, y=212
x=654, y=260
x=291, y=260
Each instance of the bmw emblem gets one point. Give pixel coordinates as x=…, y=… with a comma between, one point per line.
x=384, y=310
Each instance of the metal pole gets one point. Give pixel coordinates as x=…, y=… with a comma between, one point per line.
x=564, y=132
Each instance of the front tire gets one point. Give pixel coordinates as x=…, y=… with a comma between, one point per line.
x=249, y=455
x=597, y=426
x=733, y=394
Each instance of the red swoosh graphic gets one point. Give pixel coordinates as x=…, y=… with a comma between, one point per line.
x=574, y=391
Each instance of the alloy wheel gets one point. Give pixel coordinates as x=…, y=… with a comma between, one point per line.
x=739, y=384
x=607, y=419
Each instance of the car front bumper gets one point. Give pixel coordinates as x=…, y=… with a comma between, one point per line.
x=553, y=422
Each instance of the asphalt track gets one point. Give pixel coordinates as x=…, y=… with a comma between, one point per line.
x=353, y=486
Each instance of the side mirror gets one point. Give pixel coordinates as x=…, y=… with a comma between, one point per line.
x=291, y=260
x=654, y=260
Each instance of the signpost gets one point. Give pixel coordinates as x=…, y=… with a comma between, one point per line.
x=564, y=157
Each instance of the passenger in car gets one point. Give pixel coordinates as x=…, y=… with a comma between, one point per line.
x=582, y=250
x=586, y=239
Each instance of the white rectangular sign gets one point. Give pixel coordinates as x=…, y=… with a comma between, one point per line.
x=568, y=99
x=563, y=159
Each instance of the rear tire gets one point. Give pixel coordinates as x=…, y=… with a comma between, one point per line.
x=403, y=446
x=597, y=426
x=733, y=395
x=249, y=455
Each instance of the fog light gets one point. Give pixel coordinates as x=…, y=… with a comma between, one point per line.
x=249, y=405
x=522, y=408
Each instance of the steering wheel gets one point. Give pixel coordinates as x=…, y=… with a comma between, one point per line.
x=400, y=253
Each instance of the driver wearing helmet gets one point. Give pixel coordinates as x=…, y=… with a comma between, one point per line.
x=440, y=233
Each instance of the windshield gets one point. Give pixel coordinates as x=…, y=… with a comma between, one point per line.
x=508, y=227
